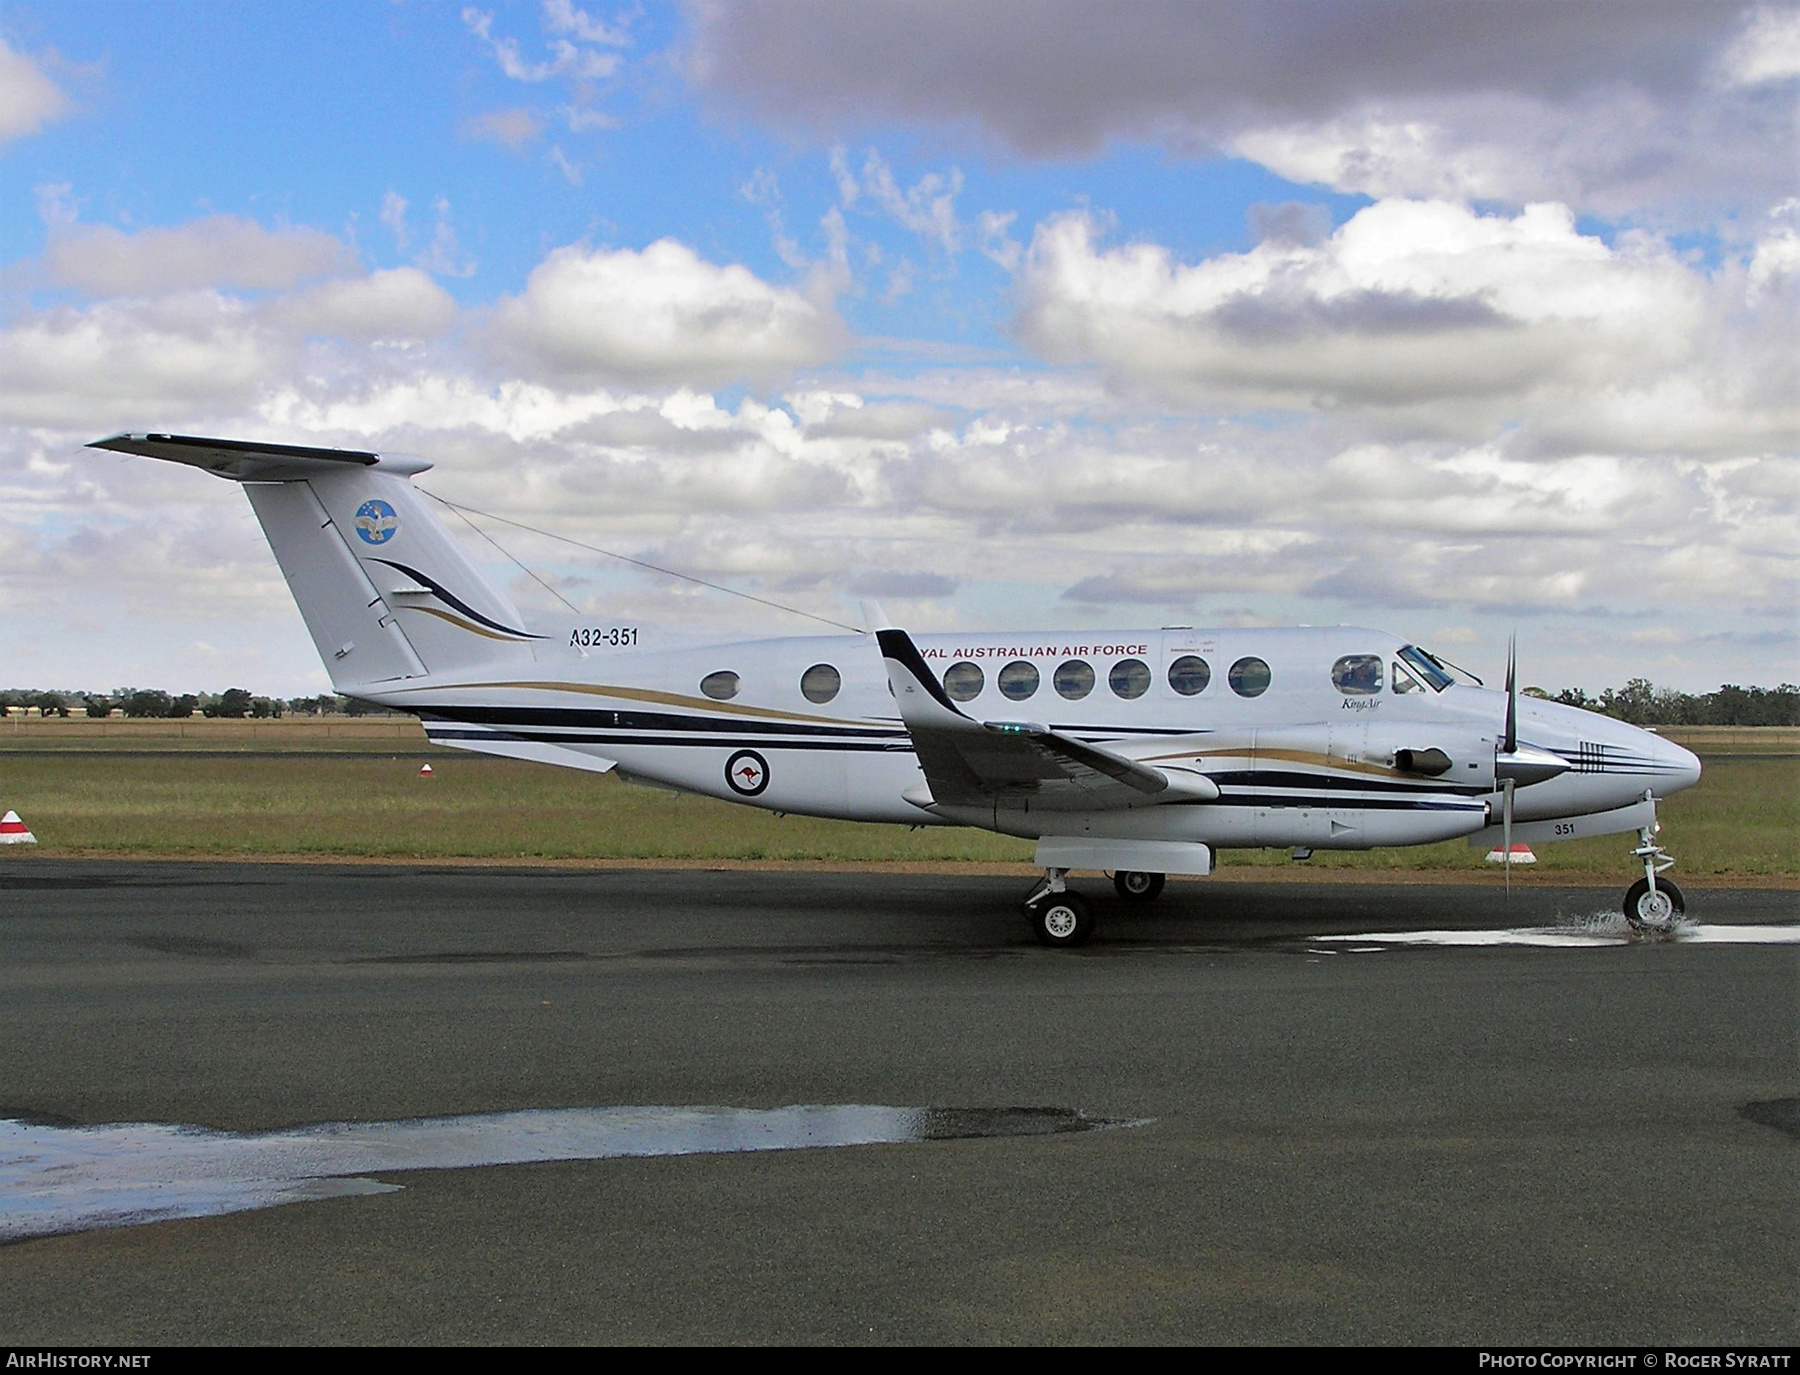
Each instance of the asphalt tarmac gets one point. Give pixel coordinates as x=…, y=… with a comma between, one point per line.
x=1334, y=1140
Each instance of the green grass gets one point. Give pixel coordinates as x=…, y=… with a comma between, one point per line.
x=356, y=804
x=267, y=800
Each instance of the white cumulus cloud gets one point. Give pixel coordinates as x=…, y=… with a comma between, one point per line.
x=218, y=251
x=1458, y=321
x=28, y=99
x=662, y=314
x=399, y=303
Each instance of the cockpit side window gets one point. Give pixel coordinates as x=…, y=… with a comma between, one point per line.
x=1404, y=681
x=1435, y=675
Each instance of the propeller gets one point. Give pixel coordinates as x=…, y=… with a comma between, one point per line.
x=1509, y=746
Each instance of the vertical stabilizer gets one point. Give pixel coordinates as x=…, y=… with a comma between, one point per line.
x=385, y=592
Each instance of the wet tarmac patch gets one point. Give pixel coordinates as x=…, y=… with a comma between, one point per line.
x=1600, y=929
x=199, y=946
x=481, y=957
x=1783, y=1114
x=56, y=1179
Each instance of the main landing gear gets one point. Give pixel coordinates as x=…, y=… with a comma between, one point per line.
x=1134, y=885
x=1653, y=903
x=1061, y=917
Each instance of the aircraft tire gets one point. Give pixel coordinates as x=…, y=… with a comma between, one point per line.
x=1134, y=885
x=1062, y=920
x=1646, y=915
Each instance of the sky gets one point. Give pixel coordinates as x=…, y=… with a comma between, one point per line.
x=1456, y=321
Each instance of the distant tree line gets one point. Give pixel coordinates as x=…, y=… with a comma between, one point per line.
x=1644, y=704
x=233, y=703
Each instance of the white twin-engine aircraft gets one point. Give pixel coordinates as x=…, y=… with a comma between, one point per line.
x=1141, y=753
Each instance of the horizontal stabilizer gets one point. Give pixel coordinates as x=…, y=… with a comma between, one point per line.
x=249, y=460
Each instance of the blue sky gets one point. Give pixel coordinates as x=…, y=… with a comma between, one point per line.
x=1400, y=313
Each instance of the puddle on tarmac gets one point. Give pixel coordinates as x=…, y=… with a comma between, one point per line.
x=1597, y=929
x=1783, y=1114
x=72, y=1179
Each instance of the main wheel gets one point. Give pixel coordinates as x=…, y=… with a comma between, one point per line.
x=1658, y=912
x=1062, y=919
x=1135, y=885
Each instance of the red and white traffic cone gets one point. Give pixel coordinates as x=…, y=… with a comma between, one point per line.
x=14, y=831
x=1521, y=854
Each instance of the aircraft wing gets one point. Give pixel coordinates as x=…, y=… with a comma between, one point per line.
x=971, y=763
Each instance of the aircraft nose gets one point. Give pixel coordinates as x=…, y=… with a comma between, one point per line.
x=1679, y=768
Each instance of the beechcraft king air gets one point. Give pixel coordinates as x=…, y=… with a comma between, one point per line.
x=1140, y=753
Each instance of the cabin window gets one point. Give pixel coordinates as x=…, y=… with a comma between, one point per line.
x=1018, y=680
x=1402, y=680
x=1249, y=677
x=1074, y=679
x=820, y=683
x=963, y=681
x=1357, y=675
x=1130, y=678
x=721, y=686
x=1189, y=675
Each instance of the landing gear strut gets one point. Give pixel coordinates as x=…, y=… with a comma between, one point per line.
x=1652, y=903
x=1059, y=917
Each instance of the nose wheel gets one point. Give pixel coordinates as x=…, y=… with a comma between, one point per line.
x=1654, y=909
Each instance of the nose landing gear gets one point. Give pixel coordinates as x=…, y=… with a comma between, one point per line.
x=1652, y=903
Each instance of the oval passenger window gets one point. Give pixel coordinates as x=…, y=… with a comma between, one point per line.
x=1357, y=675
x=1129, y=678
x=1074, y=679
x=721, y=686
x=1189, y=675
x=1249, y=677
x=963, y=681
x=820, y=683
x=1018, y=680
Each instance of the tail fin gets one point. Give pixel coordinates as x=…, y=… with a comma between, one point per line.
x=383, y=588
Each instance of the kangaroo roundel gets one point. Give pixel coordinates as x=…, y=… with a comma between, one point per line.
x=747, y=772
x=376, y=522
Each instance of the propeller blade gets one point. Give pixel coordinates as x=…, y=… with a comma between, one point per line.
x=1511, y=743
x=1506, y=809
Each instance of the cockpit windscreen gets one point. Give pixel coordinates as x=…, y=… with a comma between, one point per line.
x=1427, y=667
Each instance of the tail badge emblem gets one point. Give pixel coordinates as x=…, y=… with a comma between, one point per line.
x=376, y=522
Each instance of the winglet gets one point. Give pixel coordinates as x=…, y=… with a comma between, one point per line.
x=920, y=695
